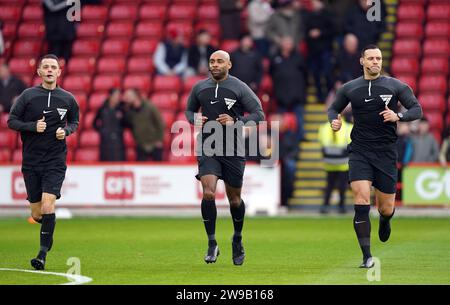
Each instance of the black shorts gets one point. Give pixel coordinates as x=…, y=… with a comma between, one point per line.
x=380, y=167
x=40, y=180
x=229, y=169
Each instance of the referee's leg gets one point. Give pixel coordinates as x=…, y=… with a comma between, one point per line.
x=237, y=209
x=386, y=208
x=209, y=215
x=36, y=211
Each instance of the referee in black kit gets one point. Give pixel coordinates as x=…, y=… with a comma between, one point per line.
x=45, y=115
x=372, y=152
x=223, y=99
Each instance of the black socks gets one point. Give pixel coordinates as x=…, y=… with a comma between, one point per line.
x=209, y=215
x=361, y=224
x=237, y=214
x=47, y=229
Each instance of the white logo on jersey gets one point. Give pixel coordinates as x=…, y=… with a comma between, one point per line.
x=229, y=102
x=386, y=98
x=62, y=112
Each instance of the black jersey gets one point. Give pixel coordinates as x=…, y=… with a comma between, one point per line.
x=59, y=108
x=368, y=98
x=230, y=96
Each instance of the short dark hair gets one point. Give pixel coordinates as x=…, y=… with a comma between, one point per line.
x=368, y=47
x=52, y=56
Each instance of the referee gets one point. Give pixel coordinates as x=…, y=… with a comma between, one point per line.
x=223, y=99
x=45, y=115
x=372, y=152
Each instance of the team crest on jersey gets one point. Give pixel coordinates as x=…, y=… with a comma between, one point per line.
x=229, y=102
x=62, y=112
x=386, y=98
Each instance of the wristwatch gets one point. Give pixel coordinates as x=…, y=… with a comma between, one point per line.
x=400, y=115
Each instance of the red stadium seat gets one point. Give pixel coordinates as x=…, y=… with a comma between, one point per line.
x=165, y=100
x=439, y=47
x=17, y=156
x=104, y=82
x=433, y=83
x=9, y=30
x=190, y=81
x=438, y=65
x=86, y=48
x=438, y=12
x=182, y=12
x=432, y=101
x=266, y=84
x=436, y=119
x=22, y=66
x=31, y=30
x=437, y=29
x=213, y=28
x=184, y=26
x=96, y=100
x=115, y=47
x=81, y=101
x=229, y=45
x=405, y=65
x=409, y=80
x=131, y=154
x=409, y=30
x=120, y=29
x=77, y=83
x=5, y=155
x=111, y=65
x=89, y=138
x=87, y=155
x=29, y=48
x=152, y=29
x=81, y=65
x=4, y=120
x=411, y=12
x=154, y=12
x=168, y=118
x=184, y=101
x=123, y=12
x=407, y=47
x=140, y=64
x=138, y=81
x=144, y=47
x=72, y=140
x=96, y=13
x=33, y=13
x=93, y=30
x=8, y=139
x=9, y=12
x=166, y=83
x=128, y=138
x=208, y=12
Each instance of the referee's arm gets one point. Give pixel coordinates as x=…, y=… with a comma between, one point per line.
x=15, y=116
x=252, y=105
x=193, y=105
x=407, y=99
x=339, y=104
x=72, y=119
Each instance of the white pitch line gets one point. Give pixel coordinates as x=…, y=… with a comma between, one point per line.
x=74, y=278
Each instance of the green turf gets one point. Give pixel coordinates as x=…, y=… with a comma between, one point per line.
x=279, y=251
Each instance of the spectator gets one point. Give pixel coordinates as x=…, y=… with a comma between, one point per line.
x=319, y=33
x=170, y=57
x=289, y=79
x=198, y=54
x=444, y=154
x=146, y=125
x=109, y=123
x=247, y=63
x=60, y=32
x=230, y=18
x=425, y=146
x=404, y=144
x=286, y=21
x=259, y=12
x=10, y=88
x=356, y=22
x=335, y=158
x=347, y=62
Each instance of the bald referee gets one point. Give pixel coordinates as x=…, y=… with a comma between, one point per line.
x=223, y=99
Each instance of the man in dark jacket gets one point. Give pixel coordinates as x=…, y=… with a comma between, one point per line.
x=10, y=88
x=199, y=53
x=60, y=32
x=289, y=79
x=247, y=63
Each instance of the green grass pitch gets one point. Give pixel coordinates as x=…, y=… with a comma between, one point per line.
x=301, y=250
